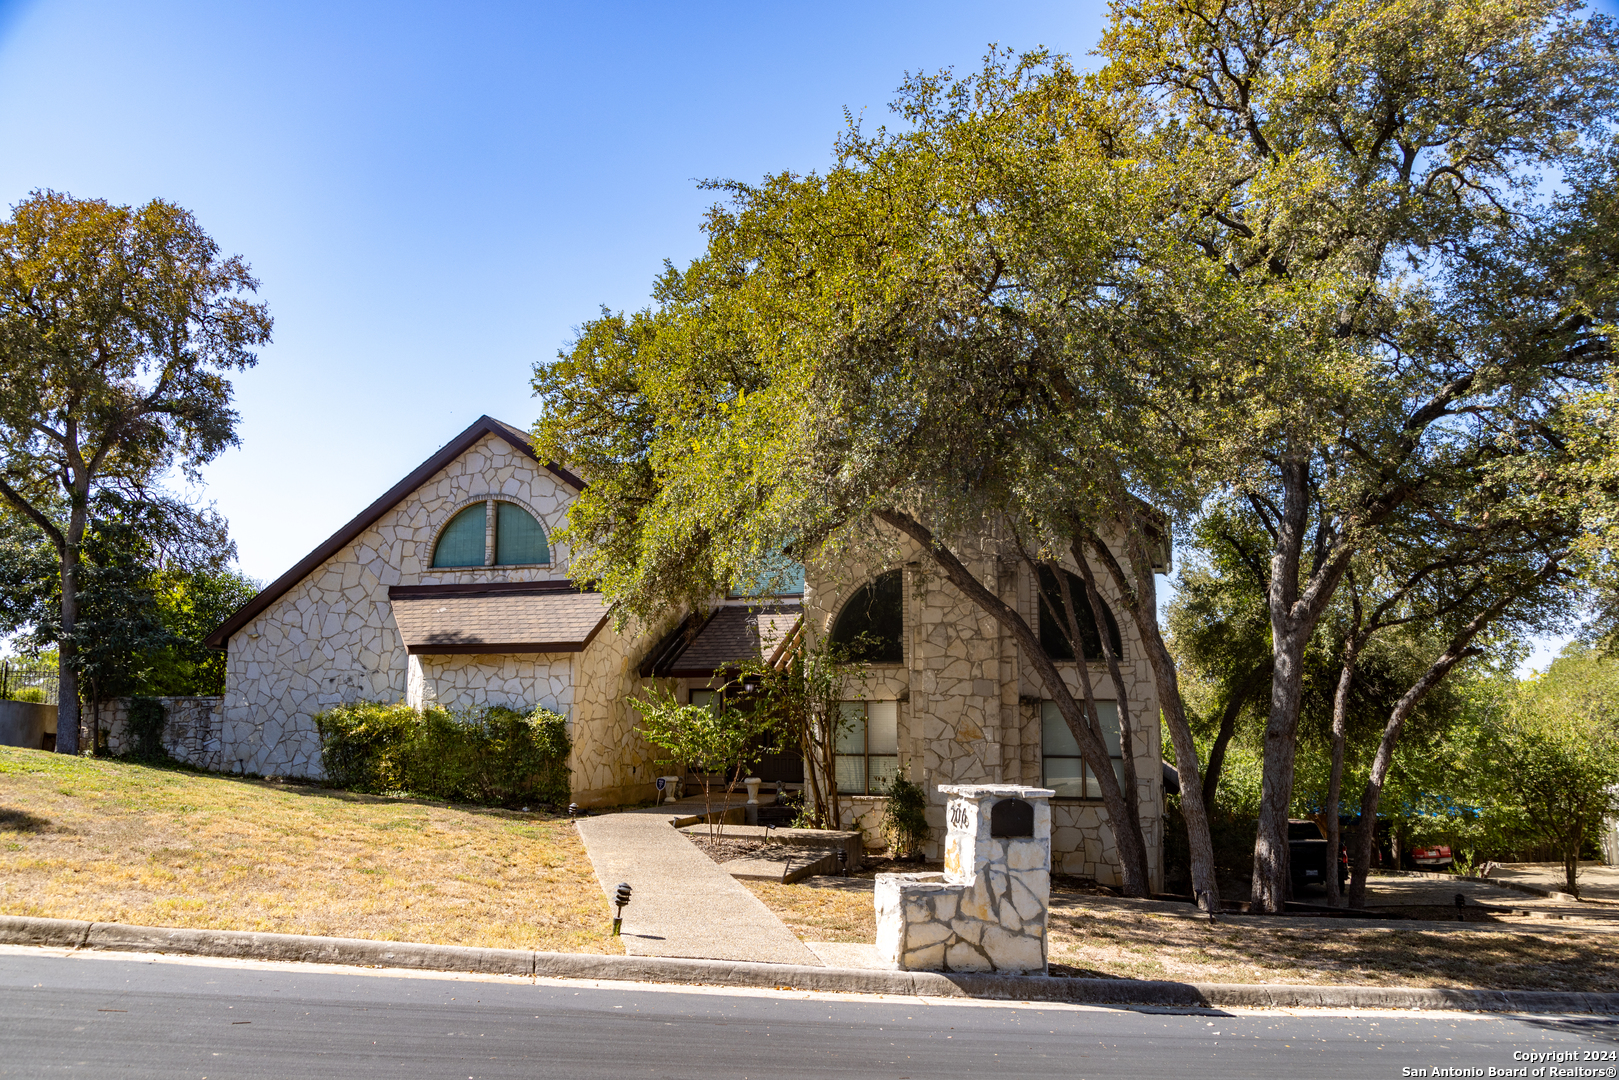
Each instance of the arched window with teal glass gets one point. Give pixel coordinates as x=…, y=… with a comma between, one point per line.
x=511, y=538
x=462, y=541
x=519, y=539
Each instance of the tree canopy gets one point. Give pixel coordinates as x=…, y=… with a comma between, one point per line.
x=1287, y=256
x=118, y=327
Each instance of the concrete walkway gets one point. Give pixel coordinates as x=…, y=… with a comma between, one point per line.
x=683, y=904
x=1597, y=881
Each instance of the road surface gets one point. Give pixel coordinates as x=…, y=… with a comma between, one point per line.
x=123, y=1015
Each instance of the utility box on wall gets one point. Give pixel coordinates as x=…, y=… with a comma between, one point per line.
x=988, y=910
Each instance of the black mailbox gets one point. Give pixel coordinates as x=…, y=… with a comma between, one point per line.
x=1011, y=818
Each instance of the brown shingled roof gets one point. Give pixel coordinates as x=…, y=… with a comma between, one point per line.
x=734, y=633
x=532, y=621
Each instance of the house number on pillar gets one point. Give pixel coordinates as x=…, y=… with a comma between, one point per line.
x=960, y=816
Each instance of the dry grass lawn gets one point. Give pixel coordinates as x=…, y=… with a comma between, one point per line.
x=114, y=842
x=1090, y=941
x=1100, y=940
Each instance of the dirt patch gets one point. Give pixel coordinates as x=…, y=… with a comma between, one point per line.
x=1150, y=945
x=725, y=848
x=117, y=842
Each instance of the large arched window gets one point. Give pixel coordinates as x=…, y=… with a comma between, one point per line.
x=872, y=624
x=516, y=539
x=1054, y=620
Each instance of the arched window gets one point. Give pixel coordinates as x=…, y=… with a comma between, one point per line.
x=1054, y=620
x=872, y=623
x=516, y=539
x=519, y=540
x=461, y=542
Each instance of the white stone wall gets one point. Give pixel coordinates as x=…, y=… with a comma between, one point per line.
x=331, y=638
x=988, y=911
x=969, y=709
x=473, y=680
x=612, y=764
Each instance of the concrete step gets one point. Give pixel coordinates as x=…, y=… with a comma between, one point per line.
x=822, y=839
x=783, y=866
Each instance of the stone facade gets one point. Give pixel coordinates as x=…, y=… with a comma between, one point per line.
x=191, y=729
x=612, y=763
x=325, y=634
x=969, y=706
x=988, y=911
x=473, y=680
x=330, y=639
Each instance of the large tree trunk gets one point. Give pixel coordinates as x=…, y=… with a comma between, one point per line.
x=67, y=668
x=1123, y=815
x=1272, y=860
x=1340, y=727
x=1141, y=597
x=1294, y=612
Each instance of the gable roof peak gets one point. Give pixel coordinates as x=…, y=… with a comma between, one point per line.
x=485, y=425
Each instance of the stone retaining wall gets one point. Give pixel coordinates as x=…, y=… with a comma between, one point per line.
x=191, y=729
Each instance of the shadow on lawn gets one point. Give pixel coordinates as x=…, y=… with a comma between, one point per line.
x=14, y=820
x=536, y=813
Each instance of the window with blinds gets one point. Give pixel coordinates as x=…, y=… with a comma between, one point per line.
x=462, y=541
x=516, y=538
x=867, y=747
x=519, y=539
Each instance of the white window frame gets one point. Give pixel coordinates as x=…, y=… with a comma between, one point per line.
x=854, y=745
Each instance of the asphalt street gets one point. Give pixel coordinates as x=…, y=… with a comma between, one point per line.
x=121, y=1015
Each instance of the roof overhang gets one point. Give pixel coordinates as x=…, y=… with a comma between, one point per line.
x=542, y=617
x=729, y=636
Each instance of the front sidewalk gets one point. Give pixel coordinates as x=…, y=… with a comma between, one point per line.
x=683, y=904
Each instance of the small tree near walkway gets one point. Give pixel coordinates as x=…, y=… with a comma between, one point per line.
x=117, y=326
x=801, y=699
x=718, y=738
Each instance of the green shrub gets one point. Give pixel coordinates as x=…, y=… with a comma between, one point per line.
x=36, y=694
x=905, y=817
x=494, y=756
x=147, y=716
x=359, y=743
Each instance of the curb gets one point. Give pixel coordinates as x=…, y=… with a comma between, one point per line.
x=247, y=945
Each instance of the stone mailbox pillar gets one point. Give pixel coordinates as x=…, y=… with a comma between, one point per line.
x=987, y=911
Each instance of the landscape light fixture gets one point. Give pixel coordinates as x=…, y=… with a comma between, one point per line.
x=1461, y=902
x=843, y=863
x=620, y=897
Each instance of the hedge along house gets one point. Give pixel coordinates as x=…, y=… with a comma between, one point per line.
x=448, y=590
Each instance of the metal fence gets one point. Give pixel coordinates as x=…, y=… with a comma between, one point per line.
x=28, y=682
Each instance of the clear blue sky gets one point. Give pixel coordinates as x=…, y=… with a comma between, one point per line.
x=433, y=196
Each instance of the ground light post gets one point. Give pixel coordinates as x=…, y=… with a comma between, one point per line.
x=620, y=897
